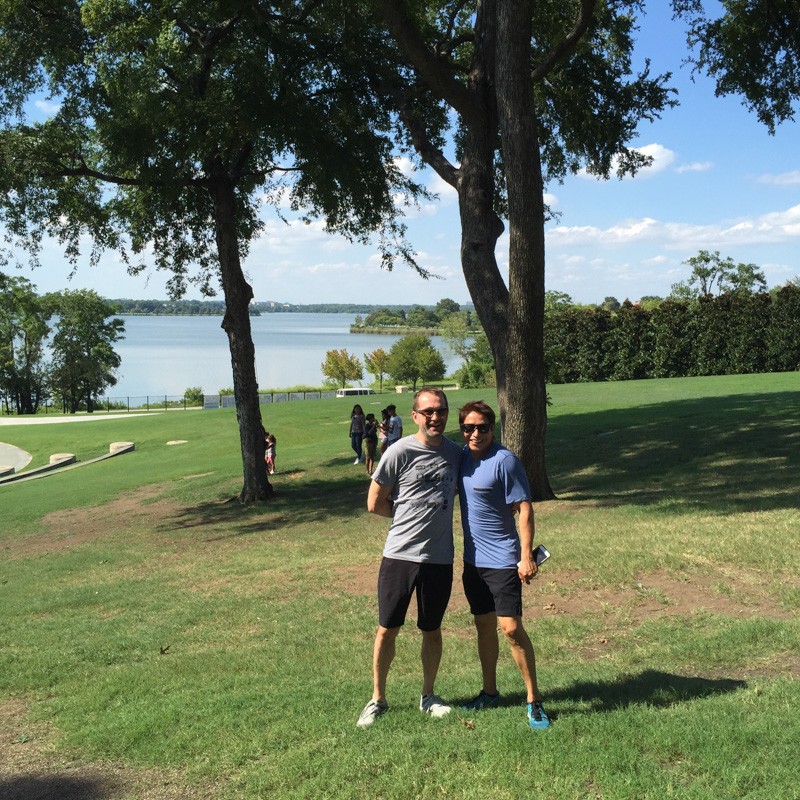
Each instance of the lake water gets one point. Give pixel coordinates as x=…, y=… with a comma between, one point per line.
x=166, y=355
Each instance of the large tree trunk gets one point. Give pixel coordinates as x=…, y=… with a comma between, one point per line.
x=512, y=317
x=524, y=384
x=236, y=323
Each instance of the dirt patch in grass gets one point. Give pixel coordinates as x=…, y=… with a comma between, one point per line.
x=573, y=593
x=32, y=769
x=64, y=529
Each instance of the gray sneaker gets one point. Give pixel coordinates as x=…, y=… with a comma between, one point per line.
x=434, y=705
x=371, y=712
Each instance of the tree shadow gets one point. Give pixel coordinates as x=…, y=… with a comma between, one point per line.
x=718, y=455
x=649, y=688
x=54, y=787
x=301, y=502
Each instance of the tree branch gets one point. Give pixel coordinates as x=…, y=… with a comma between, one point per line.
x=567, y=44
x=430, y=68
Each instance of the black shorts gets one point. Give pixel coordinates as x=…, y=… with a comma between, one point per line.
x=498, y=590
x=397, y=581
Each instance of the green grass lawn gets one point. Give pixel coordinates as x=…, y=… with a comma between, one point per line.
x=150, y=623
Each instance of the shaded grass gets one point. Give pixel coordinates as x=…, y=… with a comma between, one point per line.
x=188, y=631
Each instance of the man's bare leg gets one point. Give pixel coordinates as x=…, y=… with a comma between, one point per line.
x=431, y=657
x=488, y=649
x=382, y=657
x=522, y=651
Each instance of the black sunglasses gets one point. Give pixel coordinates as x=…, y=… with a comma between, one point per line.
x=483, y=427
x=429, y=412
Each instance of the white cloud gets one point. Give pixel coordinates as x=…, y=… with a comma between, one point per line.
x=784, y=179
x=697, y=166
x=47, y=107
x=405, y=165
x=774, y=227
x=447, y=194
x=661, y=157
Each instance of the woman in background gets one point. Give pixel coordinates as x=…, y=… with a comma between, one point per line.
x=357, y=432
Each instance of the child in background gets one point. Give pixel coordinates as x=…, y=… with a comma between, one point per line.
x=370, y=442
x=270, y=456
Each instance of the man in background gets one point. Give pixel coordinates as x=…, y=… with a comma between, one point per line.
x=395, y=431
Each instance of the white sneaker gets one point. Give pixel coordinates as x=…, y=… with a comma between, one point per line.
x=434, y=705
x=371, y=712
x=357, y=461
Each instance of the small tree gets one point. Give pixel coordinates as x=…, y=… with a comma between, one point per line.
x=193, y=396
x=714, y=275
x=377, y=364
x=23, y=329
x=455, y=332
x=84, y=361
x=413, y=358
x=342, y=367
x=478, y=370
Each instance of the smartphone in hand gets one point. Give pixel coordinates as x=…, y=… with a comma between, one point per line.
x=540, y=555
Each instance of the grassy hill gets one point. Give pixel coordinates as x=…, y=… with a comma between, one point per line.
x=159, y=640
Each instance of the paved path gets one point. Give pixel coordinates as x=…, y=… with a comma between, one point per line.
x=48, y=420
x=11, y=456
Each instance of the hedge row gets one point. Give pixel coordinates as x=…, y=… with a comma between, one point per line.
x=723, y=335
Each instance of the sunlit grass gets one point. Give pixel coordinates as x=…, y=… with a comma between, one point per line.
x=153, y=622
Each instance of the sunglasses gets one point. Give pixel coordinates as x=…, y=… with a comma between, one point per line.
x=429, y=412
x=483, y=427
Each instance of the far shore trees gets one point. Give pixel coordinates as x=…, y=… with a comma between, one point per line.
x=173, y=123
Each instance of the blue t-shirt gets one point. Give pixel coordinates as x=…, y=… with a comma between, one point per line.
x=487, y=487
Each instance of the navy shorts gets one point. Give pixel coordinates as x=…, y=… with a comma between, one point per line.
x=397, y=582
x=498, y=590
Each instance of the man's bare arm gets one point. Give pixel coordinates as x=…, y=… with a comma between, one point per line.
x=527, y=566
x=379, y=499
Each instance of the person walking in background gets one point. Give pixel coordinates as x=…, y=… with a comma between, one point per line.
x=414, y=485
x=270, y=454
x=357, y=432
x=370, y=442
x=492, y=488
x=395, y=430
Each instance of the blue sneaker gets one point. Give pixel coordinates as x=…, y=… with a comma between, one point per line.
x=483, y=700
x=537, y=718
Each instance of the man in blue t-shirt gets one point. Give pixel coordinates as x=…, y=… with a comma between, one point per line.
x=492, y=488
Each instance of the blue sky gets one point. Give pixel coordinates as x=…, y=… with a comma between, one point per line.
x=719, y=181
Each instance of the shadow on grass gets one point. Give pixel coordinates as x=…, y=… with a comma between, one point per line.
x=648, y=688
x=53, y=787
x=719, y=455
x=299, y=502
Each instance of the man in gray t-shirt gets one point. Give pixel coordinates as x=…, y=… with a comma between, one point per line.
x=414, y=485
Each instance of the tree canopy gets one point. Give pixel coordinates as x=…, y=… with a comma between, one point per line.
x=713, y=275
x=753, y=49
x=414, y=358
x=176, y=127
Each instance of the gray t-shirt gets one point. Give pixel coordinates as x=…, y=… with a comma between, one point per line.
x=424, y=480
